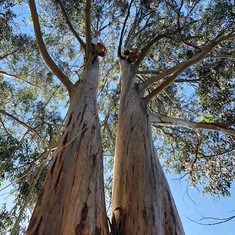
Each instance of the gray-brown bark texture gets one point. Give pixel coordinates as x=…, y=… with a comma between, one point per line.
x=140, y=187
x=72, y=201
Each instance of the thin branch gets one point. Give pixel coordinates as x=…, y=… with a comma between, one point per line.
x=187, y=80
x=19, y=121
x=179, y=14
x=181, y=177
x=4, y=127
x=122, y=32
x=131, y=31
x=149, y=46
x=7, y=54
x=180, y=28
x=230, y=151
x=137, y=21
x=170, y=71
x=228, y=124
x=173, y=69
x=147, y=25
x=32, y=129
x=28, y=197
x=162, y=75
x=221, y=56
x=18, y=77
x=49, y=61
x=105, y=26
x=88, y=29
x=147, y=72
x=10, y=75
x=185, y=65
x=71, y=26
x=162, y=120
x=221, y=220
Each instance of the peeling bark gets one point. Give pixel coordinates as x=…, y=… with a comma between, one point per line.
x=72, y=200
x=140, y=187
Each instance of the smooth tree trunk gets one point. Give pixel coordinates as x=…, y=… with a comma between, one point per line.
x=72, y=201
x=141, y=197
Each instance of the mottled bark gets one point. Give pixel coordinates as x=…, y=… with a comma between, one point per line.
x=140, y=187
x=72, y=201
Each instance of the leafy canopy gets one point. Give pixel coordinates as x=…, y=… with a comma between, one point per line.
x=196, y=141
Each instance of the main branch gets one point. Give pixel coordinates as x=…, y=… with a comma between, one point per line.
x=171, y=70
x=180, y=68
x=122, y=32
x=162, y=75
x=162, y=120
x=49, y=61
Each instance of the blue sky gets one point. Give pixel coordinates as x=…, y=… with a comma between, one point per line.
x=194, y=206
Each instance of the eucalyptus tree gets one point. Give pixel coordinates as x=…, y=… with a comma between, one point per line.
x=72, y=199
x=176, y=63
x=76, y=167
x=170, y=49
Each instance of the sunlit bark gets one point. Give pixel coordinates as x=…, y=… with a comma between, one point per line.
x=72, y=199
x=163, y=120
x=140, y=187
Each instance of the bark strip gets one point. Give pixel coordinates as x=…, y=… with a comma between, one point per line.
x=140, y=187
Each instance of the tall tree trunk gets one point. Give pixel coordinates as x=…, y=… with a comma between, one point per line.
x=140, y=189
x=72, y=201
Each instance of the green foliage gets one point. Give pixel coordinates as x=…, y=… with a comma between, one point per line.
x=6, y=17
x=203, y=93
x=208, y=118
x=31, y=93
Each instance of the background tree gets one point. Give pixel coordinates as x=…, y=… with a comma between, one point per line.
x=183, y=70
x=25, y=114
